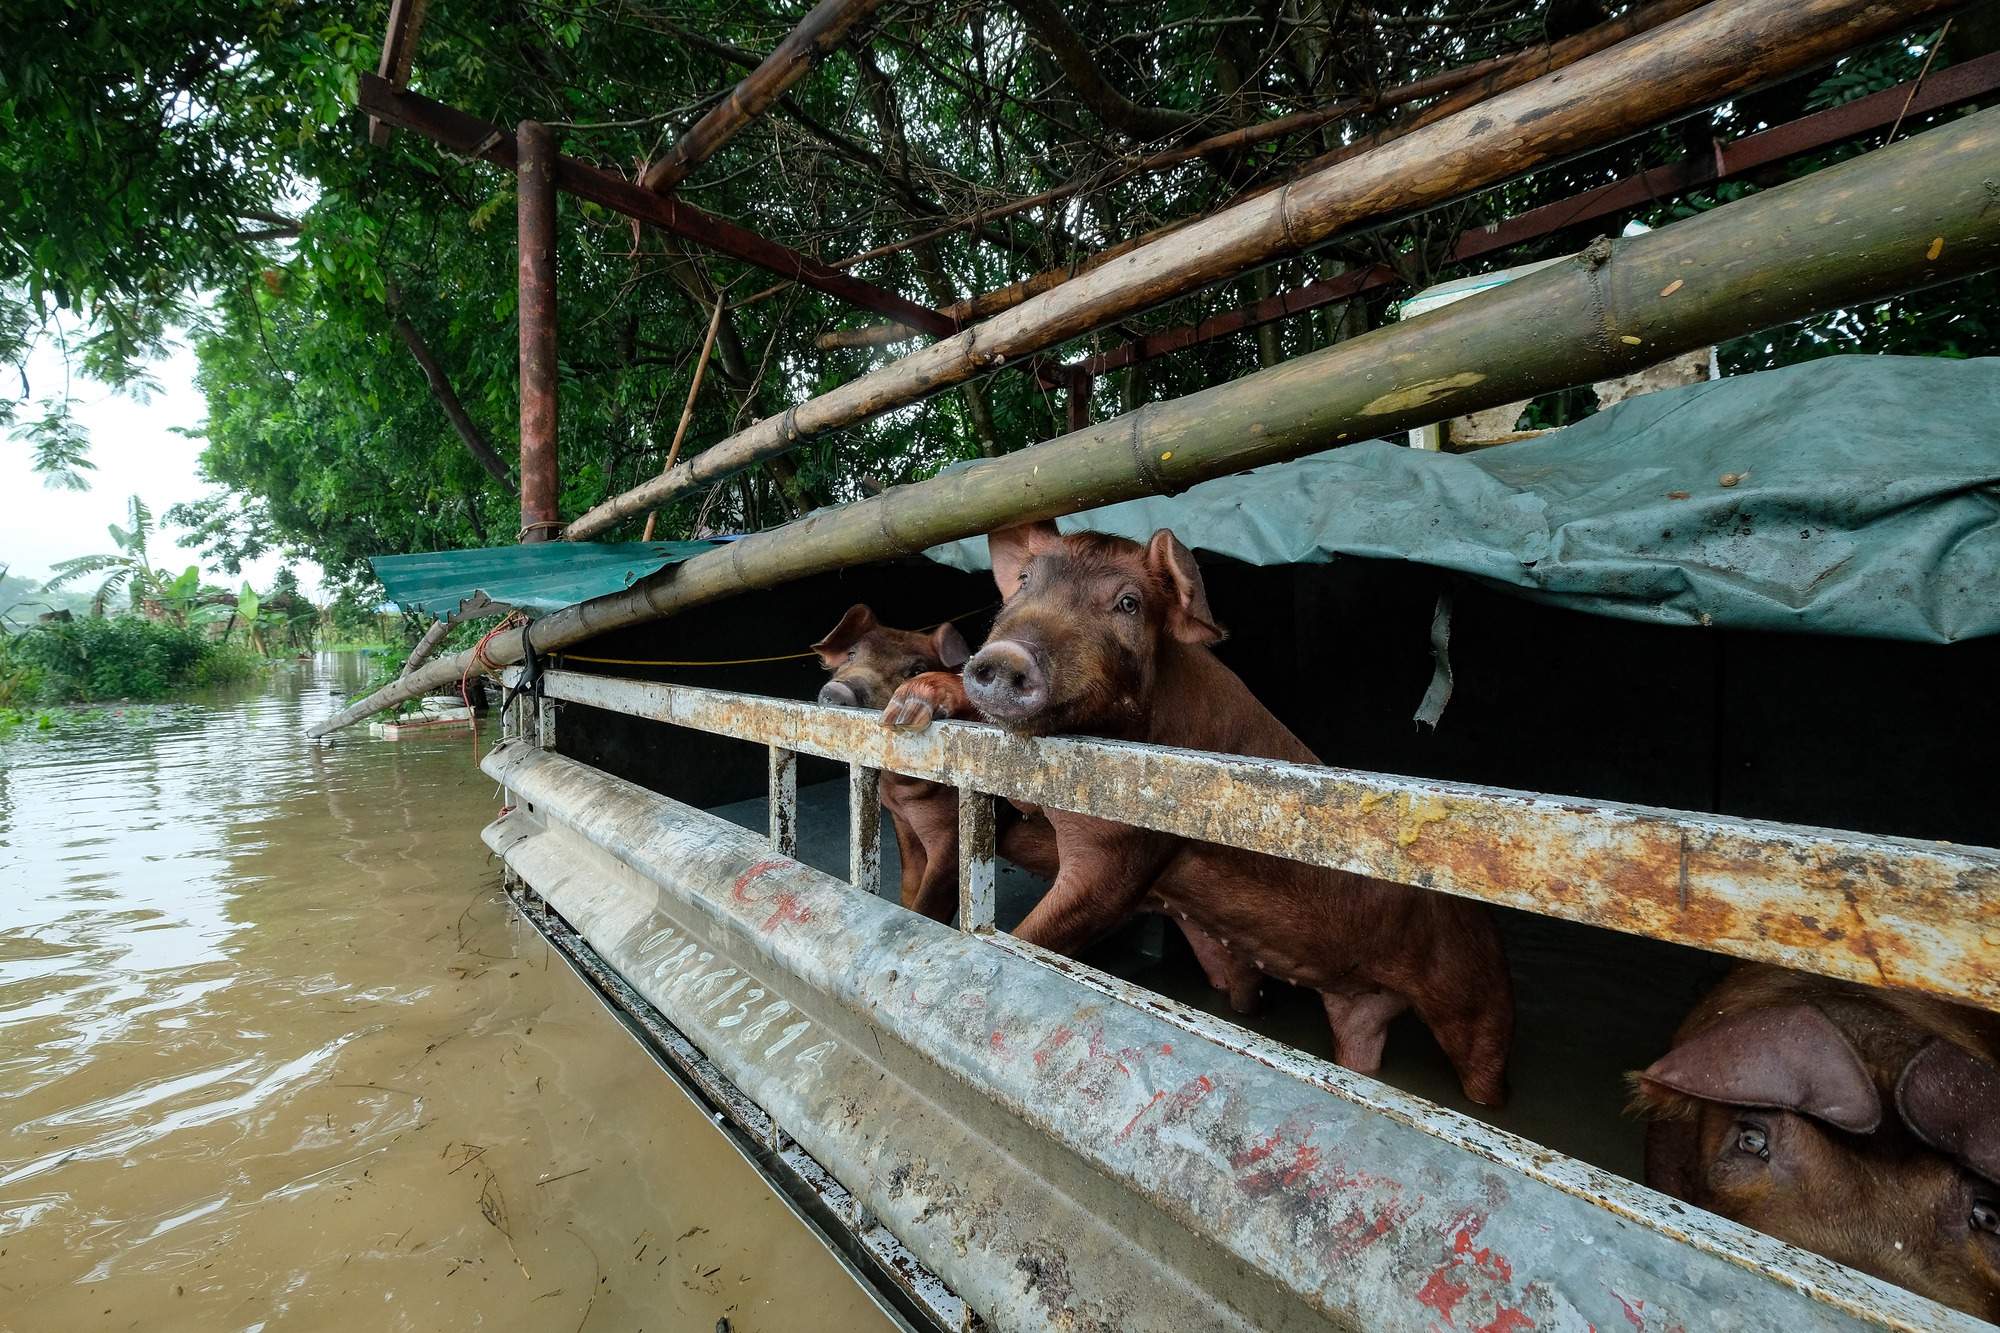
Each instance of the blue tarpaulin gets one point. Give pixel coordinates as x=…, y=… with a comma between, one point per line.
x=537, y=578
x=1853, y=495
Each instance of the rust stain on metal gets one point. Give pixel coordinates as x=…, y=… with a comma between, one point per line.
x=1881, y=910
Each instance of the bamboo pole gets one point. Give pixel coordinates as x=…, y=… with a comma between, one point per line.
x=694, y=388
x=425, y=647
x=1478, y=81
x=804, y=46
x=1693, y=61
x=1924, y=211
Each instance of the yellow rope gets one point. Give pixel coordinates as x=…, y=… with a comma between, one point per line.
x=740, y=661
x=631, y=661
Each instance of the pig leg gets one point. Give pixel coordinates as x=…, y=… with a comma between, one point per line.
x=921, y=699
x=937, y=895
x=1225, y=972
x=1030, y=842
x=1361, y=1025
x=1463, y=991
x=935, y=823
x=1105, y=871
x=1475, y=1031
x=910, y=853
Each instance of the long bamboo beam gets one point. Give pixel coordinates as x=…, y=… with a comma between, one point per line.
x=469, y=136
x=1693, y=61
x=818, y=33
x=1975, y=79
x=1924, y=211
x=1469, y=84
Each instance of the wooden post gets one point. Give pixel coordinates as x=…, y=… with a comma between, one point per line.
x=473, y=137
x=1081, y=383
x=399, y=49
x=536, y=183
x=454, y=410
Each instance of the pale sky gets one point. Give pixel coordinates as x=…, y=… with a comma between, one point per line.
x=135, y=451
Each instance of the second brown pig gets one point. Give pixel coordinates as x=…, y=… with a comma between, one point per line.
x=1861, y=1124
x=1101, y=636
x=869, y=660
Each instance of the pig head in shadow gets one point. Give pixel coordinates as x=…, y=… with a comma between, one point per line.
x=1862, y=1125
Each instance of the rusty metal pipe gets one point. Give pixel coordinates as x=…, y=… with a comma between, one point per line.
x=540, y=480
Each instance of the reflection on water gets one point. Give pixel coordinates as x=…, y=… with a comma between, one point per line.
x=273, y=1052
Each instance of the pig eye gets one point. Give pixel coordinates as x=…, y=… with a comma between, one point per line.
x=1129, y=604
x=915, y=670
x=1986, y=1216
x=1751, y=1139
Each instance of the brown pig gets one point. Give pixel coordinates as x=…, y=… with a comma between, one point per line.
x=869, y=660
x=1860, y=1124
x=1101, y=636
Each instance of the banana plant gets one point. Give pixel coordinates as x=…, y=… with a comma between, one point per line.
x=126, y=568
x=249, y=608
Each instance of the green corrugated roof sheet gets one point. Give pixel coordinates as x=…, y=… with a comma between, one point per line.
x=541, y=577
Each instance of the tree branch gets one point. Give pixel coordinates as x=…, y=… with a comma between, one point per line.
x=1052, y=29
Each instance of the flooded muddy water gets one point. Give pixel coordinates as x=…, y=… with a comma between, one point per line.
x=274, y=1053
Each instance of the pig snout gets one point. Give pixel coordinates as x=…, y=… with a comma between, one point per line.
x=1005, y=681
x=837, y=694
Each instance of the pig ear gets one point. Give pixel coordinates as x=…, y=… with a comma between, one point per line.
x=1790, y=1058
x=949, y=645
x=1951, y=1101
x=1189, y=618
x=1013, y=547
x=833, y=649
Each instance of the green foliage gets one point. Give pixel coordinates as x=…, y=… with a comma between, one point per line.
x=61, y=447
x=323, y=435
x=118, y=657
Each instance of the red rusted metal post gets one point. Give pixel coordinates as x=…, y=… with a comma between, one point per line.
x=1081, y=384
x=536, y=190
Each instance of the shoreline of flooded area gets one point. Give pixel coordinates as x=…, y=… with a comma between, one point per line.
x=275, y=1050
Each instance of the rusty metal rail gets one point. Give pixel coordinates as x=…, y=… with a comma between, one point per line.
x=1884, y=911
x=1065, y=1150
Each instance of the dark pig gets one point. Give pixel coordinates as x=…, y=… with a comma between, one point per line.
x=1862, y=1125
x=1101, y=636
x=869, y=660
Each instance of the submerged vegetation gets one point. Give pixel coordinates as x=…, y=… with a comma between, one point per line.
x=89, y=659
x=143, y=634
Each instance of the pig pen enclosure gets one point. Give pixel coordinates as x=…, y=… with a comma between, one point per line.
x=1652, y=756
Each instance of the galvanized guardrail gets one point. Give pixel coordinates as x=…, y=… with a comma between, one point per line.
x=1064, y=1149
